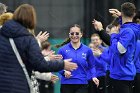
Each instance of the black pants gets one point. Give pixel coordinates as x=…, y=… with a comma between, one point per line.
x=100, y=89
x=46, y=86
x=92, y=88
x=137, y=83
x=74, y=88
x=121, y=86
x=109, y=88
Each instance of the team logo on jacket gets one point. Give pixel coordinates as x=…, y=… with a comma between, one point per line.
x=67, y=51
x=84, y=55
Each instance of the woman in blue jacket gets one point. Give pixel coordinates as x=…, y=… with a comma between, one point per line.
x=76, y=81
x=12, y=77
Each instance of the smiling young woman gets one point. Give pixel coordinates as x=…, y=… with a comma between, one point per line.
x=76, y=81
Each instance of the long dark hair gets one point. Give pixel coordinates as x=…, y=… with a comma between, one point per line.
x=115, y=22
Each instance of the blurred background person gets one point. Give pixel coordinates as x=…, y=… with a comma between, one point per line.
x=100, y=67
x=3, y=8
x=5, y=17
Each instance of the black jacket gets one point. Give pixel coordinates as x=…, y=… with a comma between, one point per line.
x=104, y=36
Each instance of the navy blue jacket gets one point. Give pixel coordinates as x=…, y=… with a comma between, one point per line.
x=84, y=58
x=12, y=78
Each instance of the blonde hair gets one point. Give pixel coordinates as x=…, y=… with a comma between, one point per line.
x=5, y=17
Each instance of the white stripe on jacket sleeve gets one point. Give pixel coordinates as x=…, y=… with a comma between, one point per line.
x=121, y=48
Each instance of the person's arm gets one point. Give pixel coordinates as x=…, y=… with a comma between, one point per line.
x=90, y=59
x=105, y=56
x=93, y=72
x=64, y=73
x=42, y=36
x=98, y=54
x=38, y=62
x=60, y=51
x=91, y=63
x=94, y=78
x=43, y=76
x=102, y=33
x=104, y=36
x=119, y=44
x=46, y=76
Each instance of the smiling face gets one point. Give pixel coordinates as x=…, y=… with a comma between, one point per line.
x=75, y=34
x=96, y=40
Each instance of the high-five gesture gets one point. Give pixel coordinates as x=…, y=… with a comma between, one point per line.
x=115, y=12
x=42, y=36
x=70, y=66
x=97, y=25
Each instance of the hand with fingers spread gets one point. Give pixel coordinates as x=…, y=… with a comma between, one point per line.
x=55, y=57
x=96, y=81
x=47, y=53
x=69, y=66
x=115, y=12
x=97, y=25
x=42, y=36
x=67, y=74
x=51, y=55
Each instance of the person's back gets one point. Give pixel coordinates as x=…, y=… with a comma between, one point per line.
x=123, y=44
x=12, y=76
x=122, y=65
